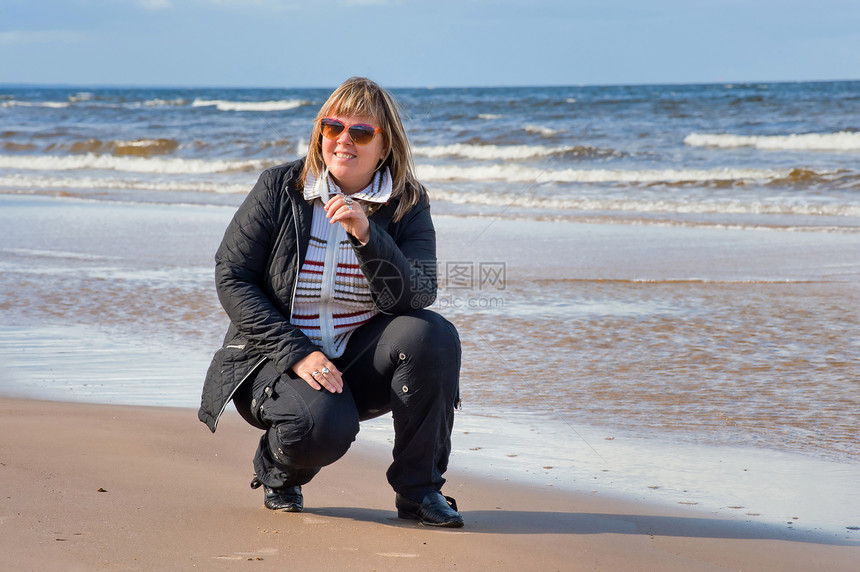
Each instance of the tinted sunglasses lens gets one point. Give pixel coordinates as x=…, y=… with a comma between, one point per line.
x=331, y=129
x=361, y=134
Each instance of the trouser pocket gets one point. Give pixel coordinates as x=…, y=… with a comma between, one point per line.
x=287, y=414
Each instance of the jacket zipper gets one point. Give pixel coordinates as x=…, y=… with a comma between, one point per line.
x=298, y=260
x=327, y=288
x=235, y=389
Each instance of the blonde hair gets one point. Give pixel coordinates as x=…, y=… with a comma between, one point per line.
x=361, y=96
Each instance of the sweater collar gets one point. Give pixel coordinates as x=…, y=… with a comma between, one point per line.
x=378, y=191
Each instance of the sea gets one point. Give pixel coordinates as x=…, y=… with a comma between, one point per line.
x=743, y=154
x=635, y=348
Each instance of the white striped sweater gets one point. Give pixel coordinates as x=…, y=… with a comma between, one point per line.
x=332, y=296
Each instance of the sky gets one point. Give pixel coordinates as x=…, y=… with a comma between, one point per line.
x=430, y=43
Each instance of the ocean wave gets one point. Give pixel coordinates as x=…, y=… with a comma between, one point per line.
x=145, y=147
x=81, y=96
x=522, y=200
x=839, y=141
x=31, y=252
x=18, y=147
x=49, y=104
x=509, y=152
x=689, y=206
x=523, y=174
x=92, y=161
x=542, y=131
x=133, y=147
x=489, y=116
x=224, y=105
x=157, y=102
x=21, y=182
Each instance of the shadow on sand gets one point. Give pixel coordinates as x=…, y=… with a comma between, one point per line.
x=535, y=522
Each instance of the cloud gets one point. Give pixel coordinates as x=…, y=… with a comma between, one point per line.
x=24, y=37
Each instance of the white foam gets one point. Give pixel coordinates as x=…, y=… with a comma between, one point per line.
x=31, y=252
x=839, y=141
x=142, y=143
x=686, y=206
x=59, y=183
x=525, y=174
x=81, y=96
x=157, y=102
x=489, y=116
x=49, y=104
x=492, y=199
x=127, y=164
x=542, y=131
x=490, y=152
x=224, y=105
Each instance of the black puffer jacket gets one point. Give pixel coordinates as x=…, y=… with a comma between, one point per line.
x=258, y=262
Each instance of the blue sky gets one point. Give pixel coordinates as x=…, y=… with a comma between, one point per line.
x=404, y=43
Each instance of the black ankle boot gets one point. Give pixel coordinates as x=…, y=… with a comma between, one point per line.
x=287, y=499
x=434, y=510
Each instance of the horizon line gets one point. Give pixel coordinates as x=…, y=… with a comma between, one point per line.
x=61, y=85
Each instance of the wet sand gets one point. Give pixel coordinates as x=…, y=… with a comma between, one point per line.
x=144, y=488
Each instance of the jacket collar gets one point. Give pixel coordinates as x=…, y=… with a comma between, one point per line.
x=378, y=191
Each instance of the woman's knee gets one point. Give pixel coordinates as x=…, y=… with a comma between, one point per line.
x=426, y=336
x=334, y=431
x=427, y=358
x=318, y=439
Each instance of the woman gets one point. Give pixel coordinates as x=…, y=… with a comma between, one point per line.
x=325, y=272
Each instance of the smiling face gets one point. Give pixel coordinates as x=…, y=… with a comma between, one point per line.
x=350, y=165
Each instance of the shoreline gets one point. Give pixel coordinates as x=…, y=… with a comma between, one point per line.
x=150, y=488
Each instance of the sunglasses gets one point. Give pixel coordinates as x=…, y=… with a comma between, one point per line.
x=360, y=134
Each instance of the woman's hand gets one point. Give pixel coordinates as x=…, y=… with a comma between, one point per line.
x=327, y=375
x=340, y=208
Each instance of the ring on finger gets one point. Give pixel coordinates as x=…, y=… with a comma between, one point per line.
x=315, y=374
x=325, y=370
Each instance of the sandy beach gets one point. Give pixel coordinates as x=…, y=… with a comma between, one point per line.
x=91, y=487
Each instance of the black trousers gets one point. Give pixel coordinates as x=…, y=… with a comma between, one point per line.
x=407, y=364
